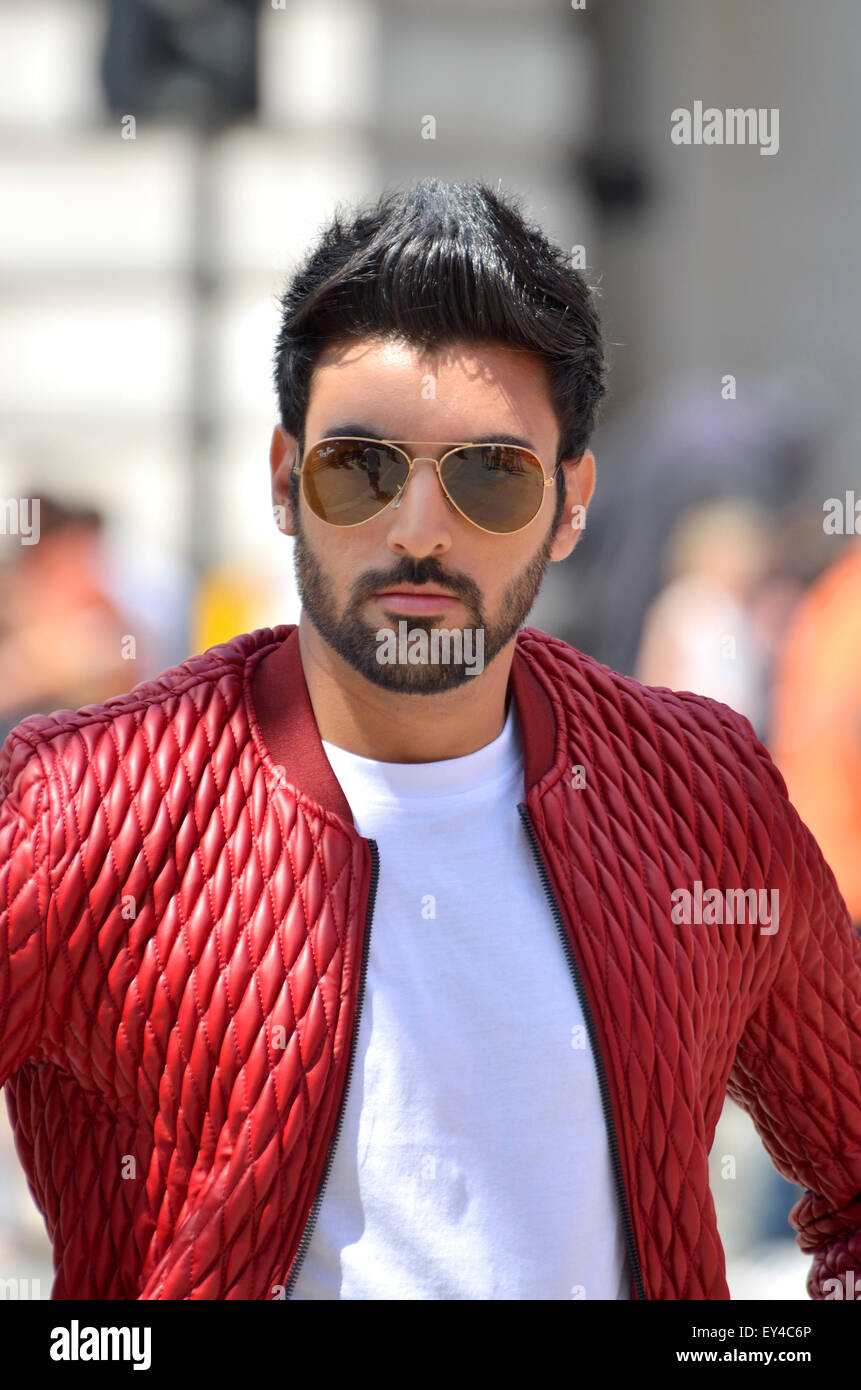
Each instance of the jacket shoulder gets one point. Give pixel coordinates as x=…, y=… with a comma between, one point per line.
x=679, y=724
x=195, y=682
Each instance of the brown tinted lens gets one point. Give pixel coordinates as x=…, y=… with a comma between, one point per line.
x=498, y=486
x=350, y=480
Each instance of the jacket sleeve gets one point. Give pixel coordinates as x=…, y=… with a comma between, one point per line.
x=24, y=896
x=797, y=1068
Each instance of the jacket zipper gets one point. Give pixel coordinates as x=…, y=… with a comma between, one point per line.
x=307, y=1233
x=593, y=1038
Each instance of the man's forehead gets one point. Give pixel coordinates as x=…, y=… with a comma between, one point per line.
x=390, y=350
x=520, y=406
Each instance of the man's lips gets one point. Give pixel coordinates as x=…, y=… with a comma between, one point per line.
x=416, y=600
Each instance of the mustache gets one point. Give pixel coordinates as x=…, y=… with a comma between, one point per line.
x=416, y=572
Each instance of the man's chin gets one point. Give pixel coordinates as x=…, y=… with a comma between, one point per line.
x=419, y=657
x=412, y=665
x=415, y=680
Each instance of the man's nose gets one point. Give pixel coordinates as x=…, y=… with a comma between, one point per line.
x=429, y=462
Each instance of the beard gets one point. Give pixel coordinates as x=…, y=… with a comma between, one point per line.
x=356, y=641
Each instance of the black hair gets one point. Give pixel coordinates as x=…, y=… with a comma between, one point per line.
x=437, y=264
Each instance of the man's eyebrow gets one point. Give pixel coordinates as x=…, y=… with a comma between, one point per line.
x=367, y=432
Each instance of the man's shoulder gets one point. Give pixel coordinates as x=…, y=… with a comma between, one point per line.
x=576, y=669
x=191, y=685
x=642, y=716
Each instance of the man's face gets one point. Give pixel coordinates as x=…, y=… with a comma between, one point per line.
x=389, y=390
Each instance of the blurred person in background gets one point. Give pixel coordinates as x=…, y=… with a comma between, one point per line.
x=816, y=733
x=669, y=452
x=62, y=635
x=699, y=633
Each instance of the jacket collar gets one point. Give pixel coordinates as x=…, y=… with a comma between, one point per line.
x=282, y=719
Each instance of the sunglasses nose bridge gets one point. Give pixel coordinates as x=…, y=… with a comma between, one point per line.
x=420, y=458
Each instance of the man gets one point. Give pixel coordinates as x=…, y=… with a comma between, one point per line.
x=409, y=952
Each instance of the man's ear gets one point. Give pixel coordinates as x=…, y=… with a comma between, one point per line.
x=579, y=474
x=282, y=456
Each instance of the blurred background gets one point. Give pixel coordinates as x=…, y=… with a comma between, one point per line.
x=163, y=164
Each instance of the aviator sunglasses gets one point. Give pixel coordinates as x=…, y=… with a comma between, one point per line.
x=347, y=480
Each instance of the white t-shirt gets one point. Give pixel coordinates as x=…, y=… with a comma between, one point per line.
x=473, y=1160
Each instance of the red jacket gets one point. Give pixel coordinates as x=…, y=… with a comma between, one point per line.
x=185, y=908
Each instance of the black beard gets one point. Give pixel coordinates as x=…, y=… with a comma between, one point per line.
x=355, y=640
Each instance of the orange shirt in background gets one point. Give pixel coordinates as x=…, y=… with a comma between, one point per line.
x=816, y=724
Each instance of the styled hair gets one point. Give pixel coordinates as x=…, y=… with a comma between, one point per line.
x=434, y=265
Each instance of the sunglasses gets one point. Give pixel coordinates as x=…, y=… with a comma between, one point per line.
x=347, y=480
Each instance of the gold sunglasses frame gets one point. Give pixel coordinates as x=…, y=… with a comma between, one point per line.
x=412, y=459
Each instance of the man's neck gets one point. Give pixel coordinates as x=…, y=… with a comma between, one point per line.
x=394, y=727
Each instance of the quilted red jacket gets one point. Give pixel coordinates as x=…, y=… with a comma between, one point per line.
x=185, y=909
